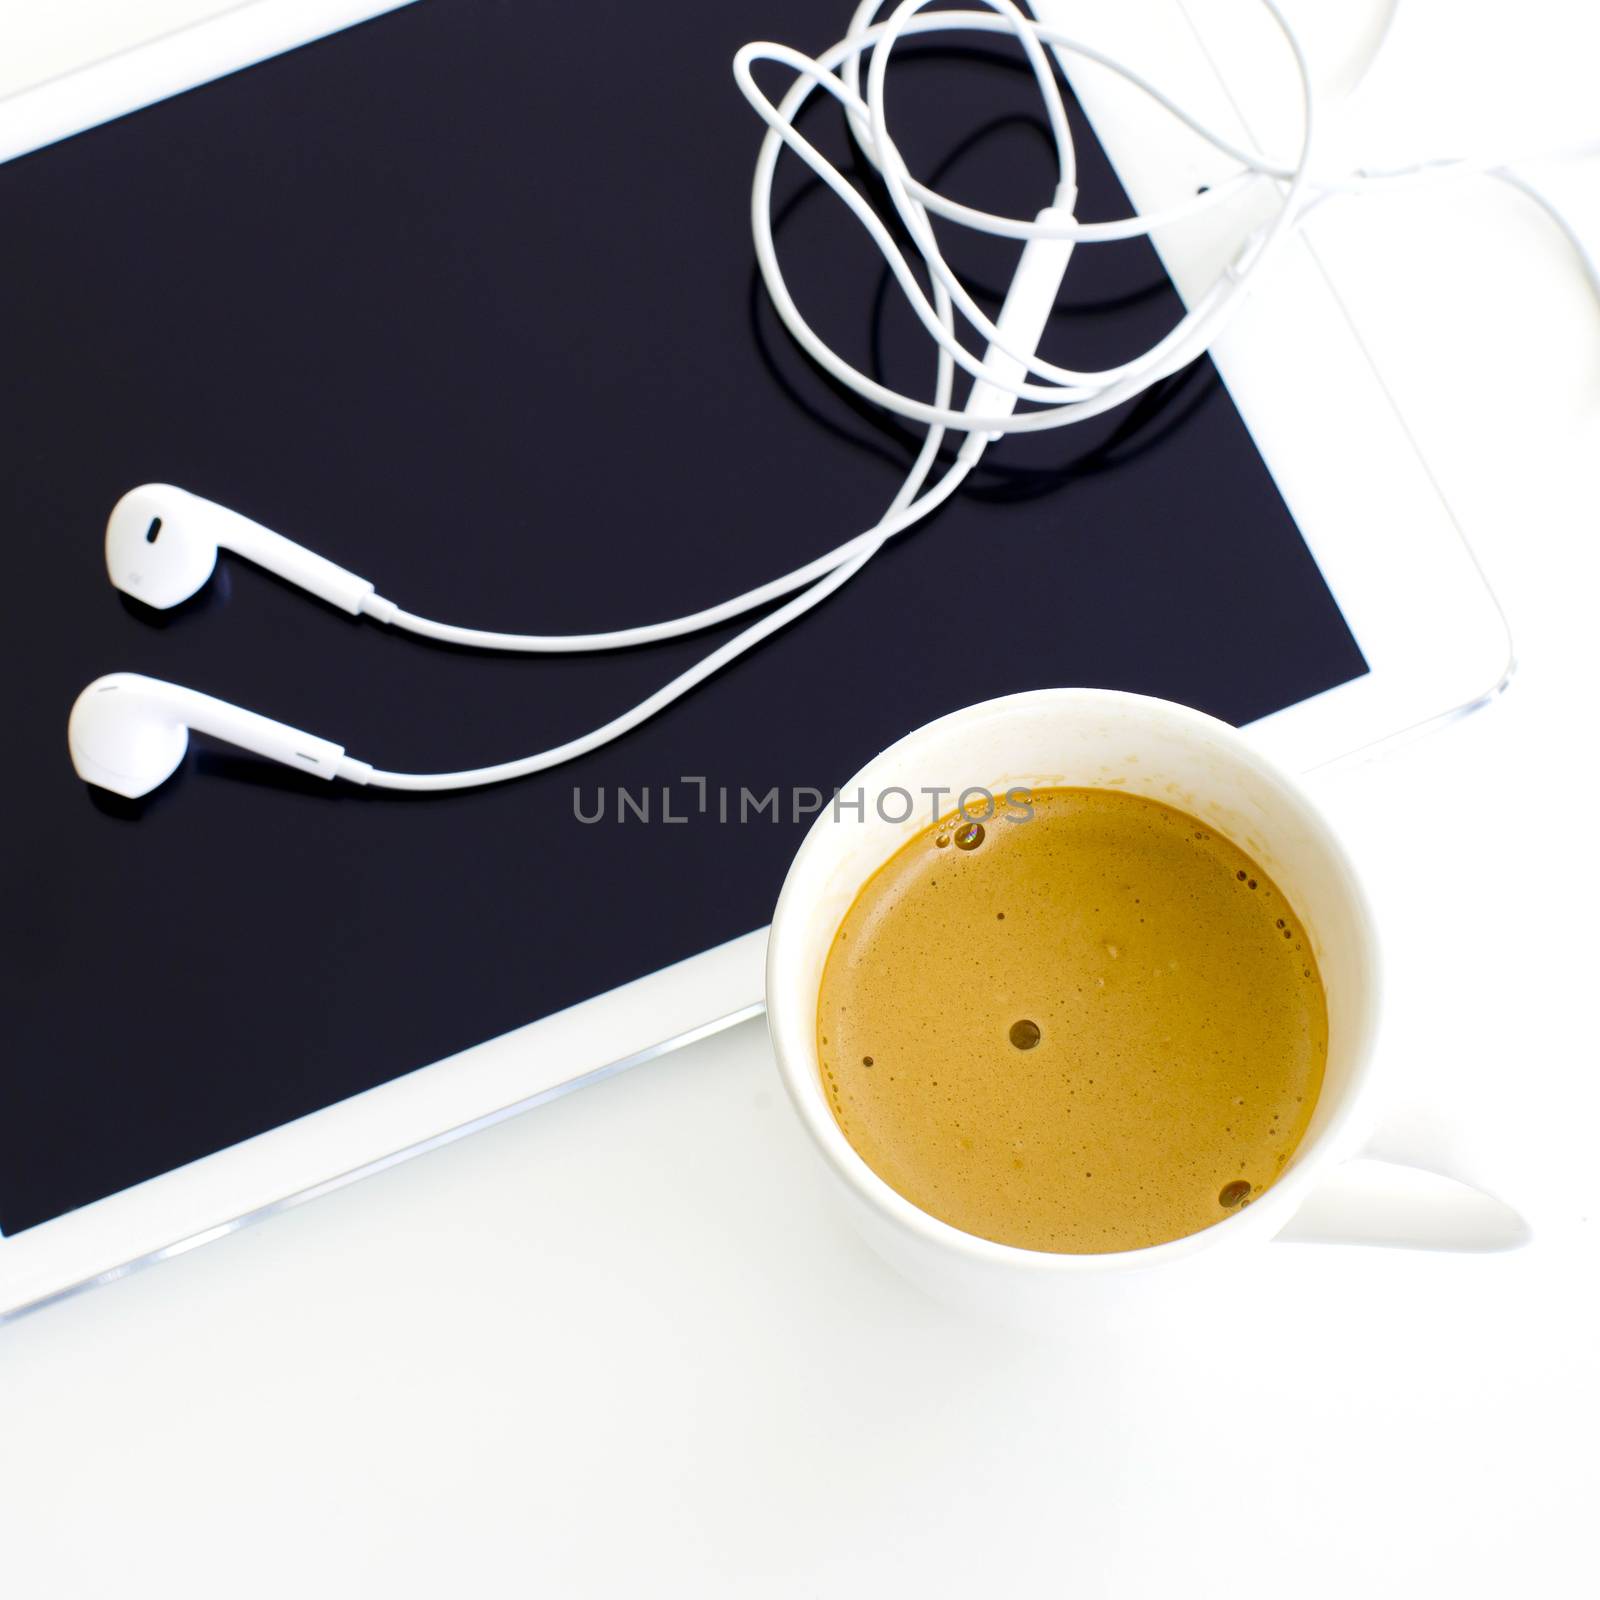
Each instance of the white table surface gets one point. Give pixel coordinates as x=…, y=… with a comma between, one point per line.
x=622, y=1346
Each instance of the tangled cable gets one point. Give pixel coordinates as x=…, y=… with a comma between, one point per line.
x=1011, y=373
x=1008, y=372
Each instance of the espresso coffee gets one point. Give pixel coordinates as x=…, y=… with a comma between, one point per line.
x=1087, y=1023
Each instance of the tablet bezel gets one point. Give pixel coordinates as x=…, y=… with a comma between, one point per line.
x=1383, y=537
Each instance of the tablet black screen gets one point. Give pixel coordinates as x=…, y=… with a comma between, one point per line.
x=464, y=298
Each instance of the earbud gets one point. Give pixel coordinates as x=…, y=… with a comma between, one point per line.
x=162, y=543
x=128, y=734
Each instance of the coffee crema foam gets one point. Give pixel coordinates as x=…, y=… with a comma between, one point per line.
x=1098, y=1029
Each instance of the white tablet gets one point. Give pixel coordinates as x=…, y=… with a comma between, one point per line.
x=328, y=289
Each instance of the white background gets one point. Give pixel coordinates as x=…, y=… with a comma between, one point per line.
x=623, y=1347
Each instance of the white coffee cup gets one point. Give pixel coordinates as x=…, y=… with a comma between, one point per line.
x=1100, y=738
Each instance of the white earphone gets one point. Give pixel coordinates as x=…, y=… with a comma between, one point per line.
x=128, y=733
x=162, y=544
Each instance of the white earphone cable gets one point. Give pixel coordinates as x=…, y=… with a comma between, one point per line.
x=904, y=510
x=1089, y=394
x=679, y=686
x=1008, y=374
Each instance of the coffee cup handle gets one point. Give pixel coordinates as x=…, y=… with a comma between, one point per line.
x=1410, y=1189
